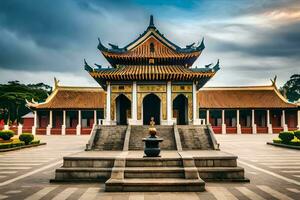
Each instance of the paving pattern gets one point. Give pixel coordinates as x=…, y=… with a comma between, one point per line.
x=274, y=173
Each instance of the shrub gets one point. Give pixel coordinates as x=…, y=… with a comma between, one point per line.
x=26, y=137
x=5, y=145
x=6, y=134
x=297, y=134
x=35, y=142
x=277, y=140
x=295, y=142
x=286, y=136
x=17, y=143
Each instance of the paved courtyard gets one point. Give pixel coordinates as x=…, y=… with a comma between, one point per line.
x=274, y=172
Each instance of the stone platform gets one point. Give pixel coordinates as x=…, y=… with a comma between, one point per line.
x=130, y=171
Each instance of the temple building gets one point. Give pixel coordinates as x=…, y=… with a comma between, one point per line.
x=153, y=77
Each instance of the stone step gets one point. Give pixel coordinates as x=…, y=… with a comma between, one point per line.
x=195, y=137
x=155, y=185
x=72, y=162
x=154, y=162
x=154, y=172
x=222, y=174
x=216, y=162
x=109, y=138
x=82, y=174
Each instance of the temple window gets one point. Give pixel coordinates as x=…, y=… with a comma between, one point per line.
x=151, y=47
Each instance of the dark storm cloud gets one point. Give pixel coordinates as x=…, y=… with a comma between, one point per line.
x=47, y=23
x=282, y=41
x=53, y=36
x=56, y=35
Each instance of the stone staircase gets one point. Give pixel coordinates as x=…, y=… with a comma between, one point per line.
x=195, y=137
x=140, y=132
x=109, y=138
x=153, y=174
x=130, y=171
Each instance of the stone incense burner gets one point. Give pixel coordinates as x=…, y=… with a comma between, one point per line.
x=152, y=148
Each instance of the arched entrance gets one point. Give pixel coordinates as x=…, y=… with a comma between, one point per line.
x=123, y=108
x=180, y=109
x=151, y=108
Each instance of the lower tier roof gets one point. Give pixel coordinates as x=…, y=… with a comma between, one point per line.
x=242, y=97
x=72, y=98
x=255, y=97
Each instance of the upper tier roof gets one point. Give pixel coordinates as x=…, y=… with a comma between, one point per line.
x=152, y=45
x=152, y=73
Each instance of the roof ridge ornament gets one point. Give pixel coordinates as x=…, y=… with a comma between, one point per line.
x=151, y=23
x=87, y=67
x=97, y=65
x=100, y=46
x=217, y=66
x=56, y=82
x=273, y=81
x=202, y=45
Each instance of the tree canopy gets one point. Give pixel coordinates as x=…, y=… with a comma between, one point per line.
x=291, y=89
x=13, y=95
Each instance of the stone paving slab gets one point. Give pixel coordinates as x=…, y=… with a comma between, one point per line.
x=251, y=150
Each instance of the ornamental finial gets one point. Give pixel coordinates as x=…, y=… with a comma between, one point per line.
x=151, y=24
x=152, y=122
x=56, y=82
x=274, y=81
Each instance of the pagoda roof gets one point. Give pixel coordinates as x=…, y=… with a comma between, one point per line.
x=68, y=98
x=256, y=97
x=151, y=72
x=163, y=48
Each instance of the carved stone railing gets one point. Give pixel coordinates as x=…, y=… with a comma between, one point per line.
x=216, y=145
x=89, y=145
x=177, y=138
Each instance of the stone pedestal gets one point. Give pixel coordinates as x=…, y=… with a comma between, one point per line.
x=197, y=121
x=48, y=130
x=109, y=122
x=168, y=122
x=135, y=122
x=63, y=130
x=78, y=129
x=285, y=127
x=238, y=129
x=20, y=129
x=270, y=130
x=223, y=128
x=254, y=129
x=33, y=130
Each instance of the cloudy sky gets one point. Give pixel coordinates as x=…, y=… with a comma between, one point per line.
x=254, y=39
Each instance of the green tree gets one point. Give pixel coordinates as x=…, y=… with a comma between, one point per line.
x=291, y=89
x=13, y=95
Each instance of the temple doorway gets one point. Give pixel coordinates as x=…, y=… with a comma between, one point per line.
x=123, y=108
x=180, y=109
x=151, y=108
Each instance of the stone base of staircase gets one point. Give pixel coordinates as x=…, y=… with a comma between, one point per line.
x=155, y=185
x=130, y=171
